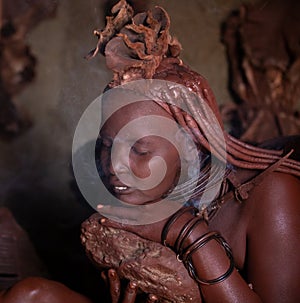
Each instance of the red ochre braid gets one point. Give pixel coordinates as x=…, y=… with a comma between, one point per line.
x=141, y=47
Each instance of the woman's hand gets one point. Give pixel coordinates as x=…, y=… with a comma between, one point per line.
x=130, y=294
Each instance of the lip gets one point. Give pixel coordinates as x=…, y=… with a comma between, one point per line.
x=121, y=189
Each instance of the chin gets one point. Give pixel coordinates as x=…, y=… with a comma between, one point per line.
x=135, y=200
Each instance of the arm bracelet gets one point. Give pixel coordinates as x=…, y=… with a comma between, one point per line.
x=200, y=242
x=172, y=221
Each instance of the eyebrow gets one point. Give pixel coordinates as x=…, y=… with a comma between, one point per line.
x=140, y=141
x=144, y=140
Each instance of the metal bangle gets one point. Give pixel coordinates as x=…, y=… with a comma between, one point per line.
x=198, y=243
x=172, y=220
x=185, y=233
x=187, y=258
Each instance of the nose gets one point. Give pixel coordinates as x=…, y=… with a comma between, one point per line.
x=119, y=161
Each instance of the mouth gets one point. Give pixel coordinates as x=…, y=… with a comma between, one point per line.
x=122, y=189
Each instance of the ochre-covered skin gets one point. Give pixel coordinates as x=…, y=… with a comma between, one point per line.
x=253, y=221
x=260, y=224
x=33, y=290
x=255, y=230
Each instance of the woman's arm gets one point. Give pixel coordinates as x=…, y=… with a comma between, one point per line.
x=272, y=252
x=273, y=260
x=273, y=244
x=211, y=262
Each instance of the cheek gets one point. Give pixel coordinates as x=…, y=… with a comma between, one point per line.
x=173, y=168
x=141, y=169
x=140, y=166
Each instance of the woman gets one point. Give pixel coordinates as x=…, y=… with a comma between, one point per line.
x=243, y=246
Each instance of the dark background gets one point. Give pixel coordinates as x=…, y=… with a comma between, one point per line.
x=36, y=181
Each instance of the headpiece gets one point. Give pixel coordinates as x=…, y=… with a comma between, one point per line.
x=141, y=47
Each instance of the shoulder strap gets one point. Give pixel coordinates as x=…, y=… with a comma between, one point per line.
x=241, y=190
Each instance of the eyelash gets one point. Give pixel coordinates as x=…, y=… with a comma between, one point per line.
x=106, y=143
x=140, y=153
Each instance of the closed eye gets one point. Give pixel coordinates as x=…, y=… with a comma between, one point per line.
x=139, y=151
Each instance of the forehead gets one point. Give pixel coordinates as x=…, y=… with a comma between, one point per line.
x=139, y=112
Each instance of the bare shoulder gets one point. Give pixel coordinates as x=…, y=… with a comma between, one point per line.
x=35, y=289
x=273, y=239
x=276, y=191
x=276, y=199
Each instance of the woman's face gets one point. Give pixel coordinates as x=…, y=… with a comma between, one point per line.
x=134, y=149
